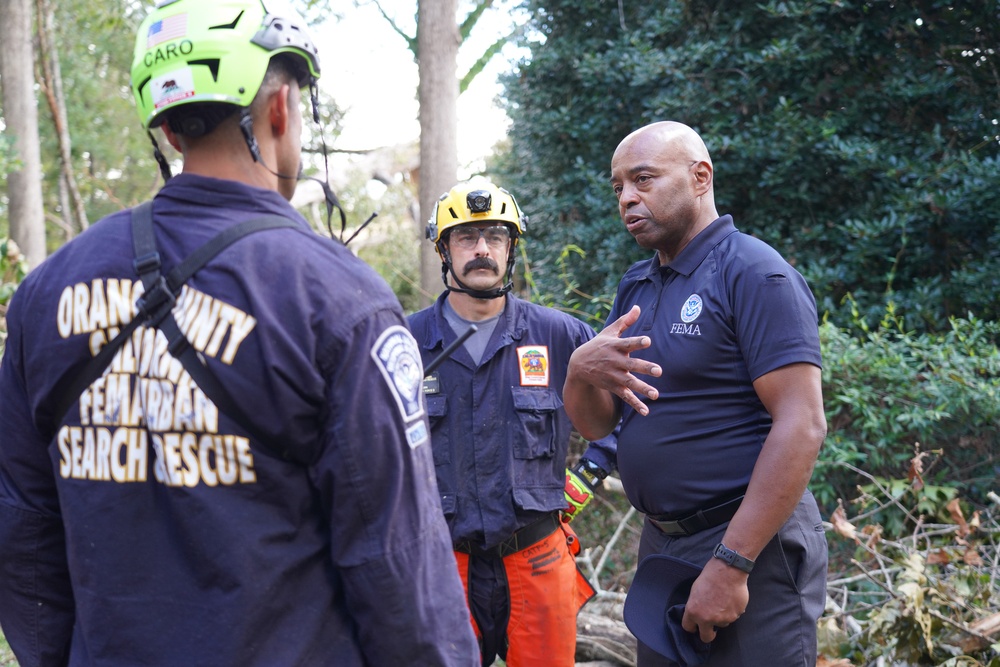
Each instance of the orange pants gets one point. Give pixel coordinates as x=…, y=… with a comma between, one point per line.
x=546, y=590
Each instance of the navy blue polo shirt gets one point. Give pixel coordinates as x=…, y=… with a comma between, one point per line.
x=724, y=312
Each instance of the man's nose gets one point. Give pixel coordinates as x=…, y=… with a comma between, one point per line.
x=628, y=197
x=482, y=247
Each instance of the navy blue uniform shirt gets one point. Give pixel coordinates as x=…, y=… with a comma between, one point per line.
x=499, y=430
x=151, y=529
x=727, y=310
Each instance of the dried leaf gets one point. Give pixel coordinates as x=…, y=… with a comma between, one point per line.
x=955, y=510
x=938, y=557
x=874, y=533
x=972, y=557
x=823, y=661
x=914, y=475
x=841, y=525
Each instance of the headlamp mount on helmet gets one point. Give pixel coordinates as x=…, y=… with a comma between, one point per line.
x=479, y=201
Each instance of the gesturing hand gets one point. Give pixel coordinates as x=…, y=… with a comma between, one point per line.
x=605, y=362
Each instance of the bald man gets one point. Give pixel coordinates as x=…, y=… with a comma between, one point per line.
x=711, y=358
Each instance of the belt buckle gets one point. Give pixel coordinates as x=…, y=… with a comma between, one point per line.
x=674, y=528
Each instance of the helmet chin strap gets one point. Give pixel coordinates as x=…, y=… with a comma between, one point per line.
x=160, y=159
x=332, y=202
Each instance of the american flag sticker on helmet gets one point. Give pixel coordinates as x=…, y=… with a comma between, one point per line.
x=166, y=30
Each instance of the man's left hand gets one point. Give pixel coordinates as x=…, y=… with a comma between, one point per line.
x=719, y=596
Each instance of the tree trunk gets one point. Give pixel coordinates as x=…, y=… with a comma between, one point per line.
x=51, y=77
x=602, y=637
x=438, y=41
x=24, y=186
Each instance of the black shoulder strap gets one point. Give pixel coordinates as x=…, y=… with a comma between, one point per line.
x=155, y=308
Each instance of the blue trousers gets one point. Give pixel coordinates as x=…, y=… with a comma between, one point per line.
x=787, y=593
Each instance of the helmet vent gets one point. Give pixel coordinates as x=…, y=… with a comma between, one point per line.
x=211, y=63
x=228, y=26
x=453, y=214
x=503, y=208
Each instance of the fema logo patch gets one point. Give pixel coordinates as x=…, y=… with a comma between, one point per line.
x=398, y=358
x=691, y=308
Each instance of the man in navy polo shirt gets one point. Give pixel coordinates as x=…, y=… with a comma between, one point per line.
x=719, y=439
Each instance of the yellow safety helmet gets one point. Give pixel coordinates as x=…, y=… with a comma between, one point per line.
x=475, y=201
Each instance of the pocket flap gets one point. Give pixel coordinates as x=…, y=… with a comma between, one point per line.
x=535, y=400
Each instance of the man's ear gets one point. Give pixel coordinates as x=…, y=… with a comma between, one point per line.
x=278, y=110
x=172, y=138
x=703, y=174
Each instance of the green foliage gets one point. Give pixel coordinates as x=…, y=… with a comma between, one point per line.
x=857, y=137
x=887, y=389
x=6, y=655
x=12, y=271
x=8, y=156
x=112, y=157
x=926, y=596
x=587, y=307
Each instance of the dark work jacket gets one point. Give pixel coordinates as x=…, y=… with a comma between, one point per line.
x=498, y=429
x=152, y=530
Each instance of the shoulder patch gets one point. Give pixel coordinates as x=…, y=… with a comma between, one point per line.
x=398, y=358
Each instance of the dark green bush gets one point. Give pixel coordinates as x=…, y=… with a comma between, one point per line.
x=858, y=137
x=888, y=391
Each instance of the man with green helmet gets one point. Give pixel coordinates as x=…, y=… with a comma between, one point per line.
x=500, y=434
x=247, y=478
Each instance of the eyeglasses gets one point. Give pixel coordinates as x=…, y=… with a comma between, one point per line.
x=467, y=238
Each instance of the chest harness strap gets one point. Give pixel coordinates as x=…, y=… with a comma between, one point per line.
x=155, y=309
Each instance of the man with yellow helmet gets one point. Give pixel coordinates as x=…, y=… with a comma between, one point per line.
x=500, y=435
x=248, y=480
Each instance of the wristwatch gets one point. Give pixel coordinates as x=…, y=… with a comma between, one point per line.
x=730, y=557
x=590, y=472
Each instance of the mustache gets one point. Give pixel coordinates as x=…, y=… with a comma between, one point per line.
x=481, y=263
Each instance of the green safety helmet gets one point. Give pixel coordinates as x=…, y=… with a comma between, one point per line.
x=213, y=51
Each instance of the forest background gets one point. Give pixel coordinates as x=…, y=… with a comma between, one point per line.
x=860, y=138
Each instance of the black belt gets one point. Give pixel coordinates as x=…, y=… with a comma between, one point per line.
x=700, y=520
x=534, y=532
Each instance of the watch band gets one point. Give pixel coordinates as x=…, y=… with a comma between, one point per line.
x=730, y=557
